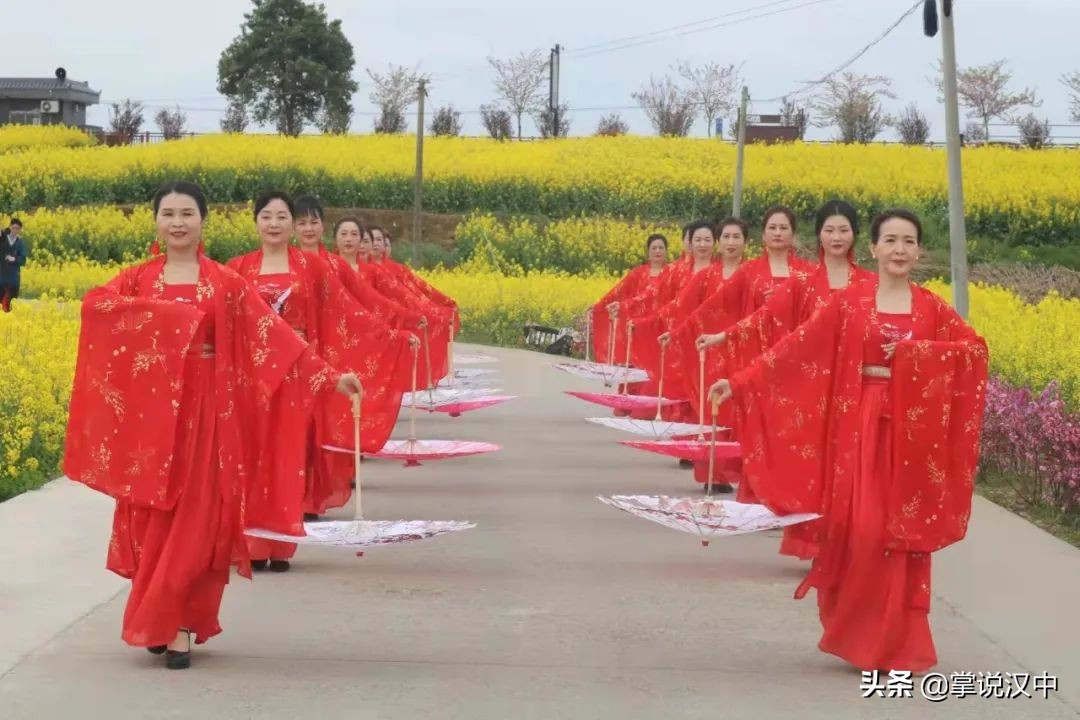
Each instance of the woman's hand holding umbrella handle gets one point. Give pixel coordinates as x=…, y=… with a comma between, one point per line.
x=613, y=309
x=720, y=393
x=414, y=342
x=423, y=322
x=665, y=338
x=349, y=384
x=707, y=341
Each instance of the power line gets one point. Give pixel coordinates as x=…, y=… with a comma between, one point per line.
x=679, y=27
x=660, y=35
x=694, y=31
x=918, y=4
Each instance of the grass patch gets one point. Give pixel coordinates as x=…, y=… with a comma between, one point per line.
x=1000, y=491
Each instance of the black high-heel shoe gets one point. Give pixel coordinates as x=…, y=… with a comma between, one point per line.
x=259, y=564
x=179, y=660
x=157, y=649
x=279, y=566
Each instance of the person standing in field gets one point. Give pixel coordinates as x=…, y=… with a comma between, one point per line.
x=12, y=258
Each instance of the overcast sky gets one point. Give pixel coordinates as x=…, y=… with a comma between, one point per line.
x=168, y=56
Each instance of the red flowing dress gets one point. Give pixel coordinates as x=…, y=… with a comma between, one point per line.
x=886, y=451
x=386, y=281
x=740, y=295
x=170, y=384
x=608, y=348
x=790, y=305
x=318, y=308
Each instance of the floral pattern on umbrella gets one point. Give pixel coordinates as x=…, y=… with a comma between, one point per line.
x=707, y=518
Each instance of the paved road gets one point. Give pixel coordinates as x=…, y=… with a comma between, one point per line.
x=555, y=606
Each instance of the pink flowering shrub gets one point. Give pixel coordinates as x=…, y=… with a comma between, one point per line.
x=1034, y=442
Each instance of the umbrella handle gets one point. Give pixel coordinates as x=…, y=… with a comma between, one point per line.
x=427, y=359
x=412, y=405
x=712, y=448
x=660, y=390
x=626, y=375
x=356, y=454
x=589, y=330
x=450, y=348
x=611, y=340
x=701, y=395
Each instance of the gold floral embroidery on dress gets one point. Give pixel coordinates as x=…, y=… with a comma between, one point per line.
x=132, y=322
x=110, y=394
x=262, y=328
x=140, y=460
x=320, y=379
x=204, y=289
x=911, y=508
x=144, y=359
x=107, y=305
x=936, y=474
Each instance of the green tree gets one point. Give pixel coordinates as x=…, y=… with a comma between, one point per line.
x=290, y=65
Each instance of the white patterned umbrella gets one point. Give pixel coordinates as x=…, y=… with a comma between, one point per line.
x=359, y=533
x=655, y=429
x=608, y=374
x=706, y=517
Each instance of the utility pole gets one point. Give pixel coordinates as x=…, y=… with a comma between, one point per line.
x=418, y=181
x=957, y=229
x=736, y=195
x=553, y=88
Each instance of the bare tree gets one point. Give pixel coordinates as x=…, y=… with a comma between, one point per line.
x=171, y=123
x=126, y=120
x=1033, y=133
x=518, y=81
x=235, y=119
x=446, y=123
x=497, y=121
x=974, y=132
x=668, y=107
x=393, y=93
x=852, y=103
x=612, y=125
x=983, y=90
x=913, y=127
x=545, y=122
x=792, y=115
x=1072, y=82
x=335, y=118
x=712, y=89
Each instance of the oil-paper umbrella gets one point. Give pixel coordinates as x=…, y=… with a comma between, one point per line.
x=609, y=372
x=454, y=401
x=706, y=517
x=358, y=533
x=678, y=439
x=414, y=450
x=629, y=403
x=657, y=429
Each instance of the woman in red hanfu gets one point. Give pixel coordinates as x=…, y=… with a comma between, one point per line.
x=406, y=274
x=610, y=348
x=836, y=227
x=387, y=280
x=870, y=413
x=384, y=366
x=304, y=291
x=179, y=360
x=645, y=328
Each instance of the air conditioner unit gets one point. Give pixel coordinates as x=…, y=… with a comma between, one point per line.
x=50, y=106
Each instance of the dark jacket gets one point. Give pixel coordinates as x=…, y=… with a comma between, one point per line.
x=10, y=272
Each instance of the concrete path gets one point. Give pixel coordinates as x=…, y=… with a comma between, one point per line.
x=555, y=606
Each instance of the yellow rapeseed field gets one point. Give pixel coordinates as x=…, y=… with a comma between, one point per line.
x=17, y=138
x=1021, y=195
